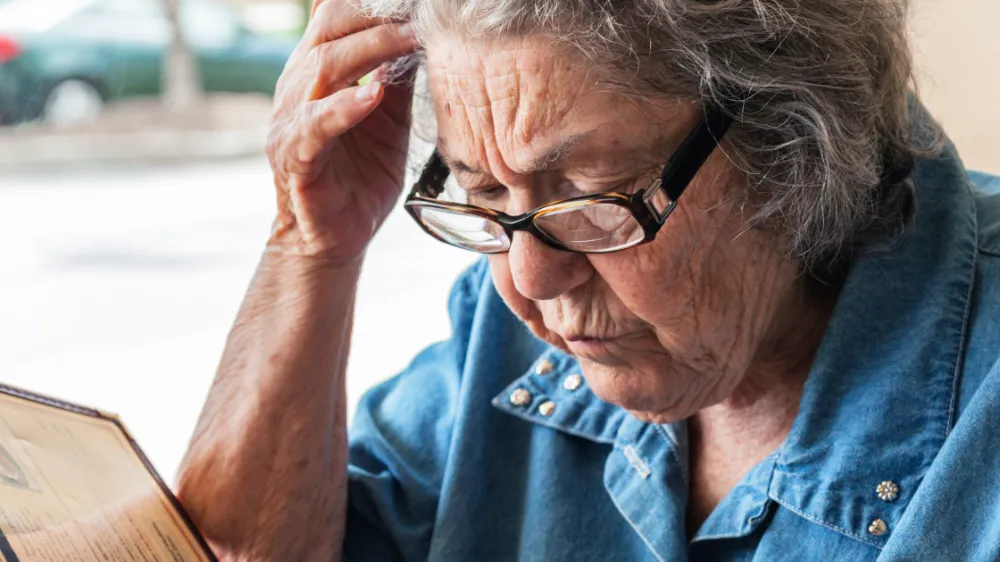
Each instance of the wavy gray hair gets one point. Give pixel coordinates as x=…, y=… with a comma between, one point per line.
x=823, y=131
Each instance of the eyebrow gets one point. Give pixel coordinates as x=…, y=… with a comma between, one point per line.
x=550, y=160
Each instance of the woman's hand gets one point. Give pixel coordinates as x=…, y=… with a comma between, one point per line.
x=338, y=150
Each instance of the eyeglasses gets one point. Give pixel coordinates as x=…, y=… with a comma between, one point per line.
x=592, y=224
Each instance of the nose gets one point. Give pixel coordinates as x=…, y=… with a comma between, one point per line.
x=541, y=272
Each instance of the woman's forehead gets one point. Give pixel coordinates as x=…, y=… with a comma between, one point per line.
x=519, y=103
x=511, y=91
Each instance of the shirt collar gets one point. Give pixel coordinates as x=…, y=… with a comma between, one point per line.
x=880, y=398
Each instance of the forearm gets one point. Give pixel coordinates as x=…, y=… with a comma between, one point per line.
x=265, y=475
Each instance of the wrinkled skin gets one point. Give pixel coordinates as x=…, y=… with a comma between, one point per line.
x=707, y=323
x=708, y=312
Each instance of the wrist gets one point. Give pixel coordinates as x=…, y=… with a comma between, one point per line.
x=325, y=268
x=287, y=242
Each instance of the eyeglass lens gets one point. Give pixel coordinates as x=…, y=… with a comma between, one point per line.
x=468, y=231
x=584, y=228
x=592, y=228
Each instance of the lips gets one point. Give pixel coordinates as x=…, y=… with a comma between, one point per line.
x=601, y=351
x=587, y=342
x=606, y=350
x=587, y=337
x=582, y=338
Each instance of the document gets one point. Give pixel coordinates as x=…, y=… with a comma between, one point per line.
x=75, y=487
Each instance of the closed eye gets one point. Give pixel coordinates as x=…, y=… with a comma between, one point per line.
x=487, y=195
x=627, y=186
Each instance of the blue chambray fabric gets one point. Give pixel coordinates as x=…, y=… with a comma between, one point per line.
x=905, y=387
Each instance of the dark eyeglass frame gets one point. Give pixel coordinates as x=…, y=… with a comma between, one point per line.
x=676, y=175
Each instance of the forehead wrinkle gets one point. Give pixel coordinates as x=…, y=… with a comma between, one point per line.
x=470, y=116
x=519, y=109
x=543, y=110
x=513, y=105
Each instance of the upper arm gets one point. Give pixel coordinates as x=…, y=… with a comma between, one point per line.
x=399, y=442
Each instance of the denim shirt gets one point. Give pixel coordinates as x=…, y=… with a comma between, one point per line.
x=490, y=446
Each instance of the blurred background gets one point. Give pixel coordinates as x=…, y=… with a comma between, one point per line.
x=135, y=197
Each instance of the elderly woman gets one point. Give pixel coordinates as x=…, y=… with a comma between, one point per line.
x=739, y=301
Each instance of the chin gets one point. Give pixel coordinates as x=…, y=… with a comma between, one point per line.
x=648, y=398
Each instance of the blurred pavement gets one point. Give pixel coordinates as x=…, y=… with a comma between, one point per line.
x=142, y=130
x=119, y=287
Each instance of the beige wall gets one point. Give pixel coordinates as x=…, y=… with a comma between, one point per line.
x=957, y=48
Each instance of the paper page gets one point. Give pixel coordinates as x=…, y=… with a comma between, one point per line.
x=73, y=489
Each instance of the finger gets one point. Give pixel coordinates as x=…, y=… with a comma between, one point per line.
x=382, y=73
x=344, y=62
x=330, y=117
x=334, y=19
x=315, y=5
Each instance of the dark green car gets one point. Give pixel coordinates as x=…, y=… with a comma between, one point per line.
x=63, y=60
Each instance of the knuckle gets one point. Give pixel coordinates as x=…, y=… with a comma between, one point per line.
x=272, y=146
x=321, y=10
x=328, y=65
x=324, y=59
x=325, y=11
x=314, y=58
x=285, y=85
x=315, y=118
x=376, y=39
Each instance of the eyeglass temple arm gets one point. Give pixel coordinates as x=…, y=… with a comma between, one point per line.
x=432, y=178
x=696, y=148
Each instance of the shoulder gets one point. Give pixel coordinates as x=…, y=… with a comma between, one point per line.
x=988, y=211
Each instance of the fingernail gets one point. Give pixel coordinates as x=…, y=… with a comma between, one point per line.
x=406, y=31
x=367, y=92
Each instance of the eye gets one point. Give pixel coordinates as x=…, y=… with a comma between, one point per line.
x=631, y=185
x=591, y=187
x=487, y=195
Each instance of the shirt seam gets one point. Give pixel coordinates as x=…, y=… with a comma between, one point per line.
x=739, y=534
x=673, y=452
x=760, y=513
x=990, y=251
x=825, y=524
x=632, y=524
x=959, y=358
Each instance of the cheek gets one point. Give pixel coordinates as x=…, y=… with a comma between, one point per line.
x=502, y=279
x=664, y=281
x=647, y=280
x=522, y=307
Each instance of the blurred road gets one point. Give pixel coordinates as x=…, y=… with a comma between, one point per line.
x=119, y=287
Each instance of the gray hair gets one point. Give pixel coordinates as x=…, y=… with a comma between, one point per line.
x=821, y=91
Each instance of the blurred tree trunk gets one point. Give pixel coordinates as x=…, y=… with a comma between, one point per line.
x=181, y=87
x=307, y=5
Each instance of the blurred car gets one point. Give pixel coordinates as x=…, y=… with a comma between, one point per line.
x=62, y=61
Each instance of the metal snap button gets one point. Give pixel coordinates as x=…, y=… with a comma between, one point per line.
x=520, y=397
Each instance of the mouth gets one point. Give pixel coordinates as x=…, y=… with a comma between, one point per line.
x=588, y=347
x=576, y=338
x=591, y=347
